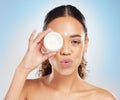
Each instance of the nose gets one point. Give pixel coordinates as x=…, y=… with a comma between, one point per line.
x=65, y=50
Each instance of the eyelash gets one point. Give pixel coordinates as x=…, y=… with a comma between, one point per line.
x=75, y=42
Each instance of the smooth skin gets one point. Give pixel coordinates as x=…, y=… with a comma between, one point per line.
x=64, y=82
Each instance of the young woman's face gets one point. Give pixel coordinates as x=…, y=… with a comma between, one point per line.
x=69, y=57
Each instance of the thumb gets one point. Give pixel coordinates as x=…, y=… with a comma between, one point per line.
x=48, y=55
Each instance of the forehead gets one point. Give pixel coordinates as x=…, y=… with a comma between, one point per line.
x=66, y=25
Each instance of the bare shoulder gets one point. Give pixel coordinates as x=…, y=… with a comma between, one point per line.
x=32, y=83
x=103, y=94
x=97, y=93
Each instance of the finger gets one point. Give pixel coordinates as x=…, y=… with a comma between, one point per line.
x=48, y=55
x=40, y=36
x=40, y=44
x=32, y=35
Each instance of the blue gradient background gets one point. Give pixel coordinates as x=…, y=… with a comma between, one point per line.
x=19, y=18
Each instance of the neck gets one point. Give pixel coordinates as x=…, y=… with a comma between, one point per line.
x=64, y=83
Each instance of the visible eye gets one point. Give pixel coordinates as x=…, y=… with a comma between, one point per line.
x=75, y=42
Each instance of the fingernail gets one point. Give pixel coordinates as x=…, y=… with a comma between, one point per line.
x=34, y=30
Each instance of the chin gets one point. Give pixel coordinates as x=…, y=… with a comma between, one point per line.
x=66, y=72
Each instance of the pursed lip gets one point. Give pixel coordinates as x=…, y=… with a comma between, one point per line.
x=66, y=62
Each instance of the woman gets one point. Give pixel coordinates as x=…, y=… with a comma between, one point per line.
x=63, y=72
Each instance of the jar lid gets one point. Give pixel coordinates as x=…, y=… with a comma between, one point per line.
x=53, y=41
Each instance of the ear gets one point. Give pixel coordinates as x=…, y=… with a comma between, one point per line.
x=86, y=45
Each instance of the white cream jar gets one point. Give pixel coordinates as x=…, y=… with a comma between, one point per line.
x=53, y=41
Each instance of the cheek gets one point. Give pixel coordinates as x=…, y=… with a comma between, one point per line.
x=78, y=52
x=78, y=57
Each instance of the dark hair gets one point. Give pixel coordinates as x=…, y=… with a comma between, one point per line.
x=61, y=11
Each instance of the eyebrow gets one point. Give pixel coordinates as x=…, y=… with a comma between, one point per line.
x=75, y=35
